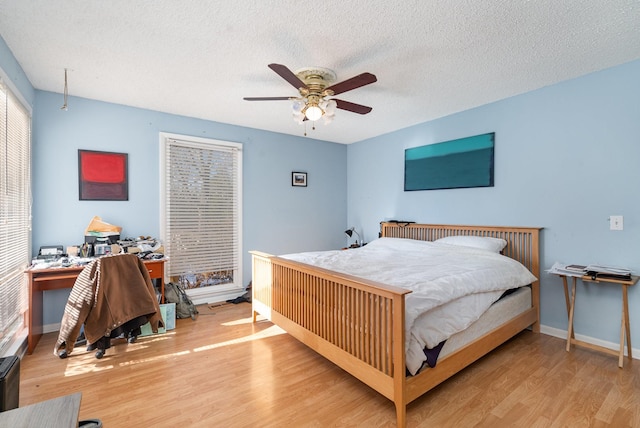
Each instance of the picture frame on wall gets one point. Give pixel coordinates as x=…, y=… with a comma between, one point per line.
x=299, y=179
x=462, y=163
x=103, y=176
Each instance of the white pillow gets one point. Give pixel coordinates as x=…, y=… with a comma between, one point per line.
x=487, y=243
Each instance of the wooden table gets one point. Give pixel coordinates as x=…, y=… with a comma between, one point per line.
x=625, y=330
x=61, y=412
x=41, y=280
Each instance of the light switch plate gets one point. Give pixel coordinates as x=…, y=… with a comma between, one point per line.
x=615, y=222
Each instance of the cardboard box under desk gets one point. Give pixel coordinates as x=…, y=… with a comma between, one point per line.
x=168, y=312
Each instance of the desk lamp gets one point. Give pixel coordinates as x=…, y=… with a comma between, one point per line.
x=350, y=233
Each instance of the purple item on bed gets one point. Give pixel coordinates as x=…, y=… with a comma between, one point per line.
x=432, y=354
x=432, y=357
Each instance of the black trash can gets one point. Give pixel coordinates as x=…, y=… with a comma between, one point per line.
x=9, y=383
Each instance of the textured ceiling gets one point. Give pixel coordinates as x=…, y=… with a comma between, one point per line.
x=199, y=58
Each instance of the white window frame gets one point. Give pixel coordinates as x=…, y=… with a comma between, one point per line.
x=216, y=293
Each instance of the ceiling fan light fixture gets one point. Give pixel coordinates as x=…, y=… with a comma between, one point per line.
x=298, y=106
x=314, y=86
x=330, y=107
x=313, y=112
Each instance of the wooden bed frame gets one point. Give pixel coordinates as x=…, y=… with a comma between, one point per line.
x=359, y=324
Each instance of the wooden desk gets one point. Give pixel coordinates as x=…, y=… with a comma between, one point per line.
x=625, y=330
x=61, y=412
x=41, y=280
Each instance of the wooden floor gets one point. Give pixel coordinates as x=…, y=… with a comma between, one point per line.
x=223, y=371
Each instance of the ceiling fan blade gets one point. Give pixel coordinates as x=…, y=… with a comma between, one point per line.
x=353, y=83
x=288, y=75
x=266, y=98
x=356, y=108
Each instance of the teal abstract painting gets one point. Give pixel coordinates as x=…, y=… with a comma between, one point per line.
x=466, y=162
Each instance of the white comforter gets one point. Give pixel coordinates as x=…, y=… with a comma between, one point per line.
x=451, y=285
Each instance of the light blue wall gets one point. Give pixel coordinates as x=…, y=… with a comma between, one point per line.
x=566, y=158
x=15, y=74
x=278, y=218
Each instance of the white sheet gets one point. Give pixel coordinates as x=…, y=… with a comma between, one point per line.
x=451, y=285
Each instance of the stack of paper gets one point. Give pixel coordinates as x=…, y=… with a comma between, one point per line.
x=567, y=270
x=595, y=271
x=599, y=271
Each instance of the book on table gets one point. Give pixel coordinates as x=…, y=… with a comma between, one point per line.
x=565, y=270
x=576, y=268
x=608, y=272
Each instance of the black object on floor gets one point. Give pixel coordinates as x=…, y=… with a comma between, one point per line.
x=90, y=423
x=9, y=383
x=237, y=300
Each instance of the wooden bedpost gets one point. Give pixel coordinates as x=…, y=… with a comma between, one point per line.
x=399, y=367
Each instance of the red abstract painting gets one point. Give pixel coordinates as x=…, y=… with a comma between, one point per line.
x=103, y=176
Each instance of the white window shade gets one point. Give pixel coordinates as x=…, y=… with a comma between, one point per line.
x=202, y=208
x=15, y=212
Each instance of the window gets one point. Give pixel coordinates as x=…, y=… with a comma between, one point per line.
x=201, y=214
x=15, y=213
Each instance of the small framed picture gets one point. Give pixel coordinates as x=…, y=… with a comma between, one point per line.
x=299, y=179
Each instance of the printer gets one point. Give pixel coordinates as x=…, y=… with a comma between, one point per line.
x=50, y=253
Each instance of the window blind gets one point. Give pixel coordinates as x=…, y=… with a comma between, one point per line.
x=202, y=207
x=15, y=213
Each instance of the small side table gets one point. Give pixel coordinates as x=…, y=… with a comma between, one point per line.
x=625, y=331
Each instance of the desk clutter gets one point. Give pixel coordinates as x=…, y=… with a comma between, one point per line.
x=146, y=248
x=100, y=239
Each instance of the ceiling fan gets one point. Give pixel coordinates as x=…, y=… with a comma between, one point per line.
x=315, y=86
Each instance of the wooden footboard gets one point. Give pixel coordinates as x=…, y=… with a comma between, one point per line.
x=356, y=323
x=359, y=324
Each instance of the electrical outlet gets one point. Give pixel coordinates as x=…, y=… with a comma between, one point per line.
x=615, y=222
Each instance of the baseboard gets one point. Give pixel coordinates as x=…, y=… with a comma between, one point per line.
x=562, y=334
x=50, y=328
x=211, y=295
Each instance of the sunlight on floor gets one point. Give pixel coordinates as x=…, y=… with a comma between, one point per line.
x=86, y=363
x=238, y=322
x=268, y=332
x=154, y=359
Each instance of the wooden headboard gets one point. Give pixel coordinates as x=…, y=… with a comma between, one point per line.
x=522, y=242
